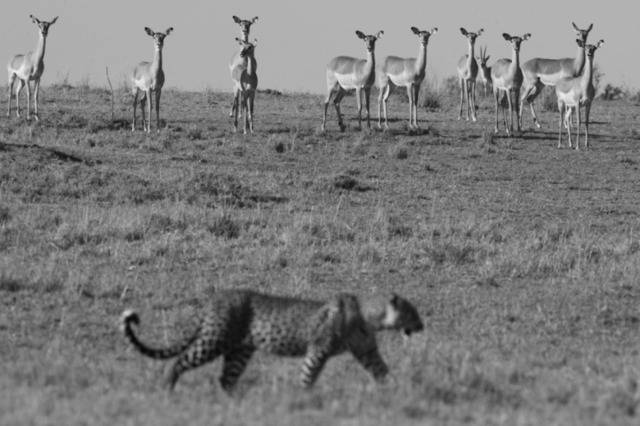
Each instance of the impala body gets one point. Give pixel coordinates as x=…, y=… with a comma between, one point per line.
x=27, y=68
x=347, y=73
x=540, y=72
x=236, y=59
x=574, y=92
x=404, y=72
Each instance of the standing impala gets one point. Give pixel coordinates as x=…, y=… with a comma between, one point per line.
x=245, y=29
x=467, y=75
x=540, y=72
x=29, y=67
x=245, y=84
x=148, y=78
x=347, y=73
x=507, y=77
x=407, y=72
x=574, y=92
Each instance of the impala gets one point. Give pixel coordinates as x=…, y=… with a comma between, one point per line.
x=407, y=72
x=245, y=29
x=467, y=75
x=540, y=72
x=574, y=92
x=347, y=73
x=506, y=76
x=148, y=77
x=27, y=68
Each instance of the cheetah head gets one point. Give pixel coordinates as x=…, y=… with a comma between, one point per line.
x=400, y=314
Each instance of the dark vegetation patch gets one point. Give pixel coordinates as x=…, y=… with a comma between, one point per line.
x=348, y=183
x=224, y=227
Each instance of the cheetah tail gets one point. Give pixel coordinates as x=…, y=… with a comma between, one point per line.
x=130, y=317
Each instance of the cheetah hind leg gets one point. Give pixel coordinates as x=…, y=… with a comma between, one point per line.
x=195, y=356
x=235, y=362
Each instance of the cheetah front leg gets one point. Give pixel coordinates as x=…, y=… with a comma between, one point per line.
x=372, y=362
x=235, y=362
x=312, y=366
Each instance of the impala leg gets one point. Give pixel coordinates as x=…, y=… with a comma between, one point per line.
x=251, y=99
x=135, y=106
x=385, y=99
x=561, y=118
x=380, y=93
x=158, y=93
x=336, y=103
x=516, y=99
x=12, y=79
x=326, y=105
x=416, y=94
x=496, y=96
x=473, y=107
x=18, y=91
x=462, y=90
x=36, y=96
x=359, y=103
x=587, y=112
x=28, y=85
x=510, y=127
x=578, y=127
x=367, y=96
x=567, y=123
x=236, y=100
x=143, y=109
x=410, y=97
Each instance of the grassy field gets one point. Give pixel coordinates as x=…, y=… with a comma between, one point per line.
x=523, y=259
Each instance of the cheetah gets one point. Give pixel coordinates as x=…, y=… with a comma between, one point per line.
x=241, y=322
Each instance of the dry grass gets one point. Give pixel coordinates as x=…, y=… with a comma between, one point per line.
x=523, y=260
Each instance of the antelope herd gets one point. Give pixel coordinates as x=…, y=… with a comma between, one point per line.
x=572, y=78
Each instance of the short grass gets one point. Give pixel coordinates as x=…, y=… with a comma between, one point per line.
x=523, y=259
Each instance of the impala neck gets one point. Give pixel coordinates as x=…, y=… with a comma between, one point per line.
x=579, y=61
x=156, y=65
x=38, y=55
x=587, y=73
x=421, y=62
x=251, y=65
x=371, y=63
x=470, y=55
x=515, y=60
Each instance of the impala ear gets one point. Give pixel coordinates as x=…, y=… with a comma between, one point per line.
x=236, y=19
x=599, y=43
x=487, y=58
x=526, y=36
x=506, y=36
x=379, y=34
x=360, y=34
x=255, y=18
x=590, y=27
x=255, y=42
x=169, y=31
x=463, y=31
x=480, y=31
x=434, y=30
x=415, y=30
x=575, y=27
x=34, y=19
x=53, y=21
x=149, y=31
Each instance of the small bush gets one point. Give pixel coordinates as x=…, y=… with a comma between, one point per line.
x=5, y=215
x=224, y=227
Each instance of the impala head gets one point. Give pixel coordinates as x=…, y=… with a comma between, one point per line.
x=471, y=36
x=158, y=38
x=245, y=25
x=516, y=40
x=590, y=49
x=247, y=47
x=580, y=33
x=43, y=26
x=424, y=35
x=400, y=314
x=370, y=40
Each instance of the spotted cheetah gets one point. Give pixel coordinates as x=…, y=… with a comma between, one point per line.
x=239, y=322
